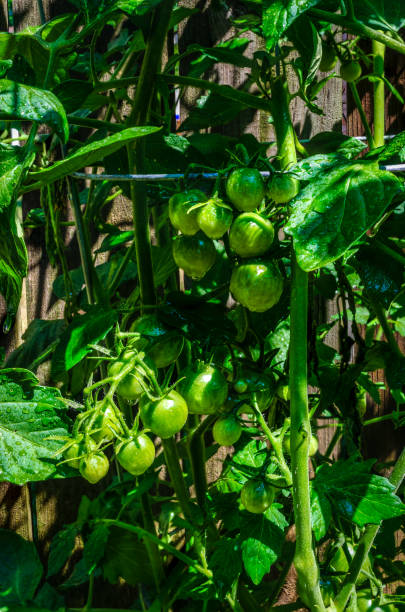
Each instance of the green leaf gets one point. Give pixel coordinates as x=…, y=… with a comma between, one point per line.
x=212, y=110
x=321, y=513
x=126, y=557
x=253, y=454
x=39, y=338
x=62, y=546
x=356, y=494
x=394, y=148
x=380, y=14
x=381, y=276
x=20, y=569
x=226, y=563
x=308, y=43
x=95, y=546
x=29, y=414
x=333, y=212
x=18, y=101
x=84, y=330
x=262, y=537
x=114, y=240
x=278, y=15
x=13, y=253
x=90, y=154
x=335, y=142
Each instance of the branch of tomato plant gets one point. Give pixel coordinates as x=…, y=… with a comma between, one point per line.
x=160, y=543
x=360, y=109
x=366, y=542
x=300, y=436
x=378, y=50
x=138, y=116
x=356, y=27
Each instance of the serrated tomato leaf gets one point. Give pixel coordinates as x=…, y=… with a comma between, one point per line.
x=330, y=214
x=278, y=15
x=261, y=536
x=29, y=415
x=355, y=493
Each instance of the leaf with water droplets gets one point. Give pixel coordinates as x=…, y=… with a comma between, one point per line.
x=29, y=415
x=23, y=102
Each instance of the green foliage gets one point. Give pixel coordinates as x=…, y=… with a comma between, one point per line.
x=21, y=569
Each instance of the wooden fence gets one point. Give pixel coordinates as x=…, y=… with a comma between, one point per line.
x=55, y=503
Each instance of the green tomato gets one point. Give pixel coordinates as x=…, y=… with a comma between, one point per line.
x=108, y=425
x=257, y=285
x=313, y=445
x=78, y=449
x=204, y=388
x=227, y=430
x=240, y=386
x=251, y=235
x=136, y=455
x=257, y=383
x=132, y=385
x=214, y=219
x=350, y=71
x=194, y=254
x=366, y=602
x=164, y=417
x=329, y=58
x=257, y=496
x=94, y=467
x=245, y=188
x=282, y=188
x=179, y=206
x=161, y=345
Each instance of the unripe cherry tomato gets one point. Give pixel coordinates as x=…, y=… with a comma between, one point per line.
x=204, y=389
x=282, y=188
x=108, y=425
x=163, y=346
x=131, y=387
x=245, y=188
x=78, y=449
x=179, y=207
x=329, y=58
x=94, y=467
x=257, y=284
x=226, y=430
x=251, y=235
x=194, y=254
x=214, y=219
x=350, y=71
x=257, y=496
x=136, y=455
x=166, y=416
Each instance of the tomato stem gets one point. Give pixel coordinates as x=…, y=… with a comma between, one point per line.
x=139, y=116
x=379, y=93
x=304, y=558
x=359, y=106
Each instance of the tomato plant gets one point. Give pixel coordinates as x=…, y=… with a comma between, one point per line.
x=210, y=289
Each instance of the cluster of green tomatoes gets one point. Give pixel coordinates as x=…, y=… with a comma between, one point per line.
x=127, y=410
x=256, y=281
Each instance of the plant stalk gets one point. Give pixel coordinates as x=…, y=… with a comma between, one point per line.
x=379, y=93
x=356, y=27
x=359, y=106
x=366, y=542
x=304, y=558
x=139, y=116
x=176, y=477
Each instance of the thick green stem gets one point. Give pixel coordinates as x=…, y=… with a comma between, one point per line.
x=139, y=116
x=366, y=542
x=359, y=106
x=357, y=27
x=196, y=450
x=153, y=551
x=304, y=558
x=379, y=94
x=176, y=477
